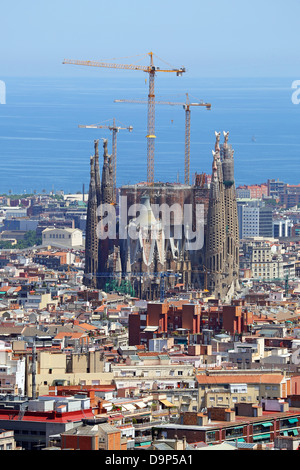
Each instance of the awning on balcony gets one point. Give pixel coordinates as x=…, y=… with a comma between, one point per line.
x=266, y=425
x=167, y=403
x=293, y=420
x=141, y=404
x=128, y=407
x=261, y=436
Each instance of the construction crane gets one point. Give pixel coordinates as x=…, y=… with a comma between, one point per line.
x=186, y=106
x=115, y=129
x=151, y=69
x=162, y=282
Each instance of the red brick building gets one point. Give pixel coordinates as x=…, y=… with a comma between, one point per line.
x=164, y=318
x=93, y=437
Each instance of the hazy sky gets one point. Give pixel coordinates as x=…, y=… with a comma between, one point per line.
x=228, y=38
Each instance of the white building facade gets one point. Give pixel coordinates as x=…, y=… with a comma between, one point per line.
x=62, y=237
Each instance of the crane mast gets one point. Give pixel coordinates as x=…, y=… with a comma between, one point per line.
x=186, y=106
x=151, y=70
x=115, y=129
x=187, y=145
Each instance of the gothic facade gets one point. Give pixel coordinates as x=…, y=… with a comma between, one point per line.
x=143, y=255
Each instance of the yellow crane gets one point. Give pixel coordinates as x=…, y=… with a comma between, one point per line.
x=115, y=129
x=186, y=107
x=151, y=69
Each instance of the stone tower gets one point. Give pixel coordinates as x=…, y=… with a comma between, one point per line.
x=215, y=234
x=91, y=240
x=222, y=236
x=231, y=216
x=97, y=173
x=107, y=182
x=106, y=246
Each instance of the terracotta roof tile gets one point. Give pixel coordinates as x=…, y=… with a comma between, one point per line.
x=254, y=379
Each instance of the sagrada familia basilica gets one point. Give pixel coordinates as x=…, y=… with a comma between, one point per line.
x=182, y=234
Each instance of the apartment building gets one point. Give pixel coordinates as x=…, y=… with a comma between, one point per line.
x=255, y=219
x=36, y=423
x=282, y=227
x=62, y=237
x=248, y=220
x=12, y=372
x=153, y=371
x=262, y=260
x=7, y=440
x=244, y=423
x=60, y=368
x=101, y=436
x=38, y=301
x=243, y=355
x=228, y=389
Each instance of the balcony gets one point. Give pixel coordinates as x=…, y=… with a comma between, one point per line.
x=236, y=432
x=146, y=425
x=137, y=412
x=289, y=423
x=263, y=428
x=139, y=439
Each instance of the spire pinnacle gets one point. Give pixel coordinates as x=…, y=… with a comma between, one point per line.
x=217, y=144
x=226, y=135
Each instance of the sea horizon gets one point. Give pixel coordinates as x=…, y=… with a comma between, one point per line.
x=42, y=148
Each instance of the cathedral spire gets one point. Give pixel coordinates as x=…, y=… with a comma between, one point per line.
x=226, y=135
x=91, y=240
x=106, y=184
x=217, y=144
x=97, y=173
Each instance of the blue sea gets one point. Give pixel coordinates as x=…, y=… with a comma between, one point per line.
x=43, y=149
